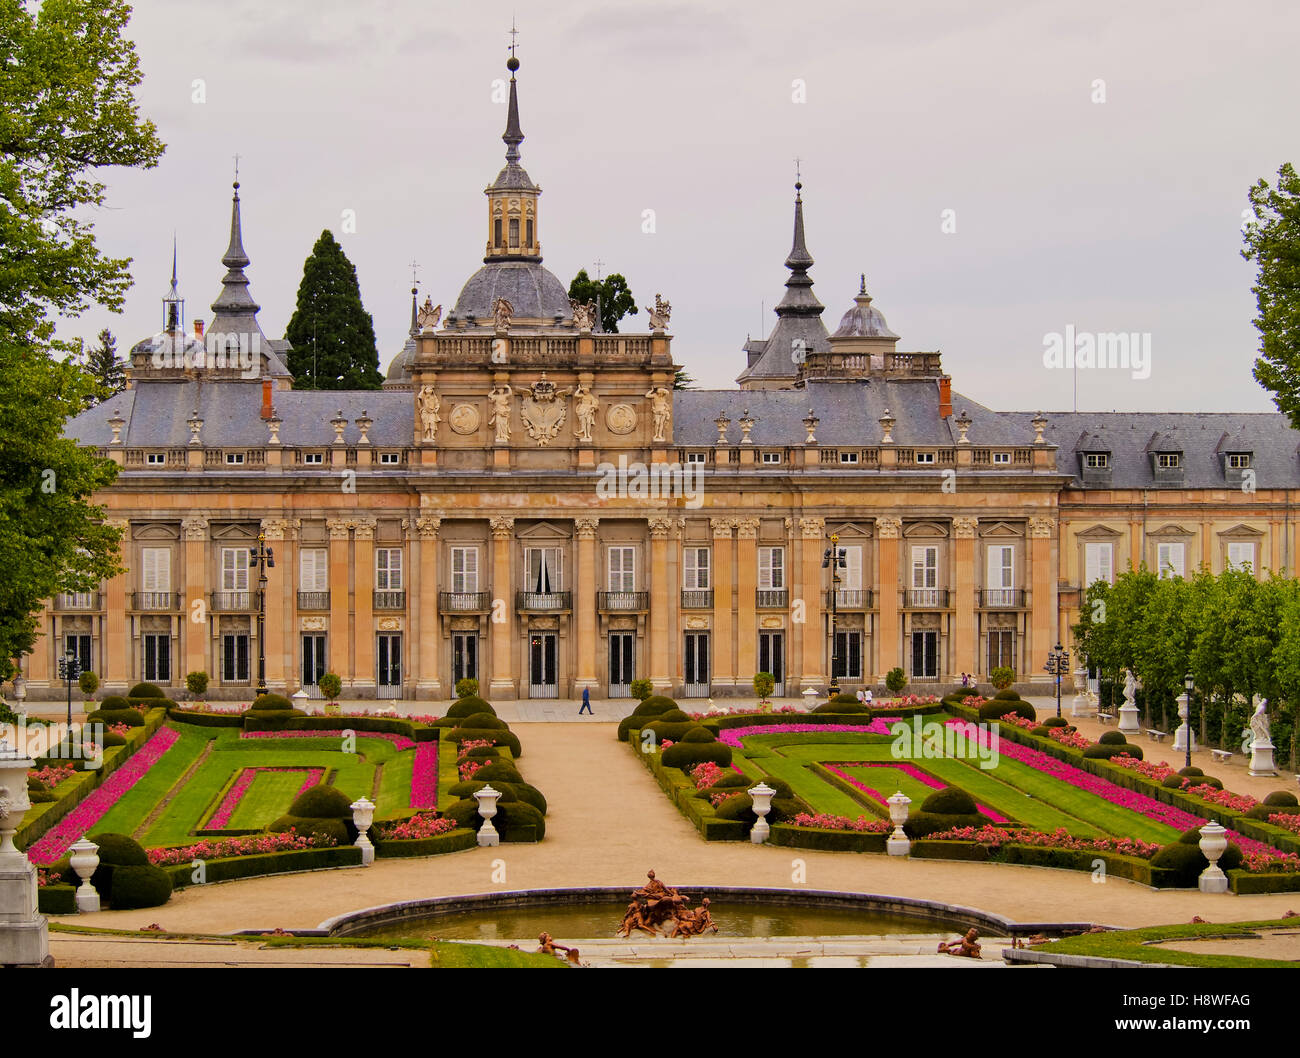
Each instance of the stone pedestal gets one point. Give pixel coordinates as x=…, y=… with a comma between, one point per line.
x=1128, y=718
x=24, y=934
x=1261, y=757
x=1181, y=737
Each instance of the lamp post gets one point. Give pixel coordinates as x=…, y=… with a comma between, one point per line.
x=834, y=558
x=1058, y=664
x=263, y=558
x=1185, y=714
x=69, y=670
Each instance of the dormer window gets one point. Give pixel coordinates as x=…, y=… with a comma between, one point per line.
x=1169, y=460
x=1239, y=460
x=1096, y=460
x=390, y=458
x=771, y=457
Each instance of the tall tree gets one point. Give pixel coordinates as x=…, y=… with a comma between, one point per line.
x=105, y=368
x=1272, y=241
x=612, y=294
x=68, y=79
x=682, y=379
x=332, y=335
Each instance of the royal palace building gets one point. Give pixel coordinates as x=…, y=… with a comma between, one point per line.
x=530, y=502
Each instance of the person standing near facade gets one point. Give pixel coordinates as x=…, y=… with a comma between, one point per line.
x=586, y=702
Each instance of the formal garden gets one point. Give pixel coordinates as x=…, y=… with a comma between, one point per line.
x=985, y=780
x=184, y=795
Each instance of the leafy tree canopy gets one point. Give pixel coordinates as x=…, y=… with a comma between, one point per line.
x=615, y=299
x=1272, y=241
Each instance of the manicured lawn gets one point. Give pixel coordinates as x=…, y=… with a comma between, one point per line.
x=1133, y=944
x=134, y=807
x=266, y=799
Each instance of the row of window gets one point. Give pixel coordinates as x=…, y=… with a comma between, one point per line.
x=847, y=457
x=1164, y=460
x=237, y=459
x=1171, y=559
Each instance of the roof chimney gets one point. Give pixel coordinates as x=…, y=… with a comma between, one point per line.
x=267, y=411
x=198, y=328
x=945, y=398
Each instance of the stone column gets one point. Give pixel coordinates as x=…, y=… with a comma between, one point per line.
x=426, y=641
x=889, y=531
x=195, y=618
x=115, y=657
x=584, y=589
x=661, y=588
x=363, y=604
x=811, y=533
x=1043, y=615
x=503, y=683
x=273, y=626
x=965, y=653
x=340, y=649
x=723, y=674
x=286, y=561
x=746, y=600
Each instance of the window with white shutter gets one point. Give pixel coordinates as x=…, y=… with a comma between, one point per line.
x=1241, y=555
x=388, y=569
x=313, y=569
x=622, y=569
x=851, y=570
x=1170, y=560
x=234, y=569
x=1099, y=563
x=695, y=570
x=771, y=568
x=464, y=569
x=925, y=567
x=156, y=569
x=1001, y=567
x=542, y=571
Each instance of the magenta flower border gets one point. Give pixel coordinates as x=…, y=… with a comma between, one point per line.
x=731, y=736
x=424, y=776
x=401, y=742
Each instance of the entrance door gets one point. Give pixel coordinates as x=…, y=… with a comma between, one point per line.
x=621, y=653
x=697, y=665
x=389, y=656
x=771, y=658
x=925, y=654
x=542, y=682
x=313, y=662
x=464, y=656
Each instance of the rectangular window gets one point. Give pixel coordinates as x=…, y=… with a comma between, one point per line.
x=696, y=457
x=79, y=646
x=1002, y=648
x=848, y=655
x=313, y=569
x=1169, y=560
x=1238, y=460
x=851, y=568
x=622, y=569
x=234, y=658
x=1001, y=567
x=1168, y=460
x=514, y=231
x=1001, y=457
x=496, y=232
x=156, y=569
x=1098, y=563
x=390, y=459
x=925, y=567
x=1096, y=460
x=157, y=658
x=156, y=459
x=771, y=457
x=542, y=570
x=234, y=459
x=1241, y=555
x=388, y=569
x=313, y=458
x=848, y=457
x=234, y=569
x=925, y=457
x=528, y=232
x=695, y=569
x=771, y=568
x=464, y=569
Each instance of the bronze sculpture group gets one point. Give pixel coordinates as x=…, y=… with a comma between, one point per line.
x=654, y=905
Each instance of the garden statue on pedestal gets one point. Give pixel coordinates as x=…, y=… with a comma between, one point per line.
x=1261, y=743
x=1128, y=712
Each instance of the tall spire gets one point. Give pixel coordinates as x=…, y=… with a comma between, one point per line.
x=799, y=299
x=234, y=299
x=173, y=301
x=415, y=327
x=512, y=197
x=513, y=135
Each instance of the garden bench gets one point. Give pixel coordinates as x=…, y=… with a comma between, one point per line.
x=1105, y=718
x=1224, y=755
x=1158, y=736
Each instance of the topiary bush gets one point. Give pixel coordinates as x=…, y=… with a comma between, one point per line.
x=1056, y=721
x=895, y=680
x=264, y=702
x=686, y=755
x=641, y=689
x=1281, y=797
x=507, y=739
x=470, y=705
x=1042, y=731
x=1261, y=811
x=1006, y=695
x=482, y=722
x=699, y=734
x=464, y=812
x=130, y=717
x=139, y=886
x=88, y=684
x=145, y=690
x=655, y=705
x=1172, y=782
x=736, y=780
x=922, y=824
x=530, y=795
x=109, y=739
x=322, y=802
x=1002, y=677
x=514, y=820
x=1207, y=780
x=1186, y=860
x=115, y=850
x=1099, y=751
x=1112, y=738
x=1191, y=771
x=950, y=801
x=196, y=683
x=995, y=709
x=499, y=772
x=839, y=705
x=467, y=687
x=331, y=685
x=340, y=830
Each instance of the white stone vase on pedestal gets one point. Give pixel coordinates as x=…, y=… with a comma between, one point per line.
x=1083, y=704
x=1128, y=712
x=24, y=934
x=487, y=808
x=1261, y=757
x=1184, y=736
x=84, y=859
x=762, y=795
x=898, y=844
x=1214, y=839
x=363, y=814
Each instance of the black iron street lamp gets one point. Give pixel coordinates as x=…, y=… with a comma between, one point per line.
x=69, y=670
x=263, y=558
x=1189, y=684
x=834, y=558
x=1058, y=664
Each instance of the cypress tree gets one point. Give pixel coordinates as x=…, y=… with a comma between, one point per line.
x=332, y=335
x=107, y=370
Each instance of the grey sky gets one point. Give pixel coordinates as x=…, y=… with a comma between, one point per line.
x=1114, y=216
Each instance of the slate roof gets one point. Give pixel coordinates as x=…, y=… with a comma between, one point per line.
x=532, y=291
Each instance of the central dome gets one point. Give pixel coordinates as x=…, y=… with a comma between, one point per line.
x=533, y=292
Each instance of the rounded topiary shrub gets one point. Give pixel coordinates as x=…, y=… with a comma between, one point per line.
x=115, y=850
x=1261, y=812
x=675, y=716
x=996, y=708
x=950, y=801
x=464, y=812
x=1042, y=731
x=738, y=807
x=735, y=780
x=264, y=702
x=1112, y=738
x=466, y=687
x=513, y=820
x=922, y=824
x=668, y=731
x=655, y=705
x=1098, y=751
x=482, y=722
x=699, y=734
x=1186, y=860
x=145, y=690
x=139, y=886
x=1207, y=780
x=531, y=795
x=499, y=772
x=322, y=802
x=1191, y=771
x=508, y=739
x=1056, y=721
x=114, y=703
x=838, y=704
x=109, y=739
x=1282, y=797
x=470, y=706
x=130, y=717
x=1007, y=695
x=686, y=755
x=1172, y=782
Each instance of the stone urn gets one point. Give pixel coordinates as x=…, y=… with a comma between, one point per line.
x=363, y=814
x=1214, y=840
x=24, y=934
x=487, y=808
x=762, y=795
x=899, y=806
x=85, y=858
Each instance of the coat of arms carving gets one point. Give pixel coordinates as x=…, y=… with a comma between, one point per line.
x=543, y=410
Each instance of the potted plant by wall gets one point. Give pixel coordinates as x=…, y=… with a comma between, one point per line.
x=895, y=680
x=764, y=685
x=89, y=684
x=1002, y=677
x=641, y=689
x=467, y=687
x=197, y=684
x=331, y=686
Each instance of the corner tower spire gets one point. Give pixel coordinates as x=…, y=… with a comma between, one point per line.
x=799, y=299
x=512, y=196
x=235, y=311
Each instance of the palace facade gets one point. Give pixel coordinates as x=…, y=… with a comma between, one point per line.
x=528, y=501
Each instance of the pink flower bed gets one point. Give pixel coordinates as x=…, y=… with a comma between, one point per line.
x=974, y=701
x=706, y=774
x=742, y=712
x=220, y=710
x=863, y=824
x=92, y=809
x=1206, y=792
x=221, y=817
x=910, y=770
x=52, y=774
x=1018, y=721
x=468, y=768
x=909, y=700
x=424, y=776
x=1058, y=839
x=418, y=826
x=120, y=729
x=1156, y=771
x=1286, y=822
x=732, y=735
x=253, y=845
x=1068, y=738
x=401, y=742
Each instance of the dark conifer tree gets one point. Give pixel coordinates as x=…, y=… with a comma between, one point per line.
x=332, y=335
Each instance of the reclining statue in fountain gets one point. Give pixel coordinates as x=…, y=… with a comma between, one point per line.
x=965, y=946
x=654, y=904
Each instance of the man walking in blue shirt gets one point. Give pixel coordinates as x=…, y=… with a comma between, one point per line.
x=586, y=702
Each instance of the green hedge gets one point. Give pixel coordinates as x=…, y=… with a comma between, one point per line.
x=452, y=841
x=1130, y=867
x=502, y=738
x=788, y=836
x=232, y=867
x=185, y=716
x=1245, y=883
x=57, y=900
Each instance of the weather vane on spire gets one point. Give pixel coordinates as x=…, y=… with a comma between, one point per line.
x=414, y=278
x=513, y=34
x=798, y=180
x=236, y=170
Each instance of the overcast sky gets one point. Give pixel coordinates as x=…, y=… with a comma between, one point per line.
x=1120, y=215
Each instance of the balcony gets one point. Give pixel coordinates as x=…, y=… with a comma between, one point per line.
x=543, y=601
x=155, y=600
x=697, y=598
x=771, y=598
x=77, y=601
x=234, y=601
x=926, y=598
x=623, y=601
x=1003, y=598
x=313, y=600
x=390, y=600
x=849, y=599
x=465, y=601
